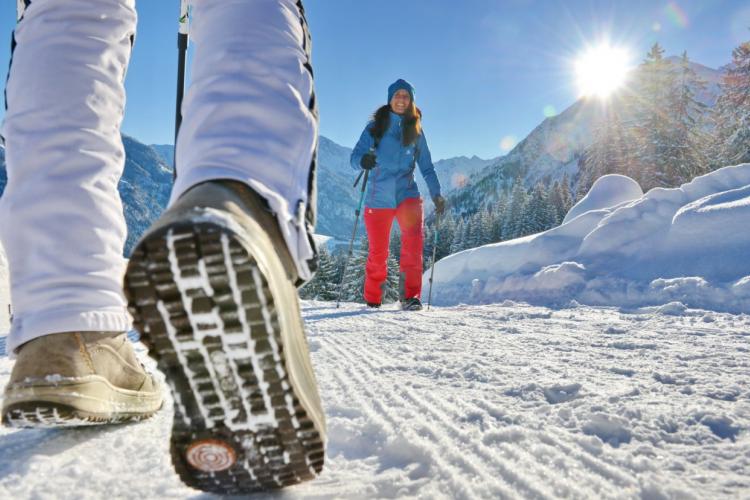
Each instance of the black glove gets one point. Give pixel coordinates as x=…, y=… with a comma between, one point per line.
x=368, y=161
x=439, y=202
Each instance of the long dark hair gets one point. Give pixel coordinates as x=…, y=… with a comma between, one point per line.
x=412, y=123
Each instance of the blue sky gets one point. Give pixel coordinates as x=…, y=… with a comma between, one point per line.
x=484, y=70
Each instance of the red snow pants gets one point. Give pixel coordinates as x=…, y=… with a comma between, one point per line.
x=378, y=222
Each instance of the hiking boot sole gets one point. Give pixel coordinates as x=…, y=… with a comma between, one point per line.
x=90, y=400
x=204, y=293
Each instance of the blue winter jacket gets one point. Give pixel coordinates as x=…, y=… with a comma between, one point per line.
x=392, y=179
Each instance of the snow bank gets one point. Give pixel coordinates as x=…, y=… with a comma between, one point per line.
x=607, y=191
x=620, y=247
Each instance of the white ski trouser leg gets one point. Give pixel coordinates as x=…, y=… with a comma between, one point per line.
x=249, y=112
x=61, y=219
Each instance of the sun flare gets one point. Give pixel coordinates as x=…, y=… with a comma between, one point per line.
x=602, y=70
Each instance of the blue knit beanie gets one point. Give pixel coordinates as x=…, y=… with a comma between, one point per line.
x=398, y=85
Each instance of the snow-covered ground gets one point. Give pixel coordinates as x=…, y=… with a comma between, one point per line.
x=485, y=401
x=644, y=393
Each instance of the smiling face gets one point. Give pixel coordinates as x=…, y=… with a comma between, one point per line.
x=400, y=101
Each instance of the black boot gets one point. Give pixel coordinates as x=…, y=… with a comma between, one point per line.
x=412, y=304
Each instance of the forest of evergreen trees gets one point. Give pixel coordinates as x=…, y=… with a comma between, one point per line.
x=658, y=133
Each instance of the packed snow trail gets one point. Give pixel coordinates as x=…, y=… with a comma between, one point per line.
x=492, y=401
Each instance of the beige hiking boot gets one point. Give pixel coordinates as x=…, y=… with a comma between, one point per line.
x=78, y=378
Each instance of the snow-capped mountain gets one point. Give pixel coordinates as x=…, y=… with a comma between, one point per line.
x=454, y=173
x=144, y=188
x=554, y=147
x=166, y=151
x=337, y=198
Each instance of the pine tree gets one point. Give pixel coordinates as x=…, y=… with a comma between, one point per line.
x=613, y=149
x=354, y=281
x=685, y=156
x=446, y=230
x=485, y=222
x=498, y=215
x=733, y=110
x=513, y=225
x=324, y=285
x=391, y=293
x=655, y=82
x=538, y=211
x=566, y=197
x=394, y=245
x=457, y=244
x=556, y=202
x=470, y=238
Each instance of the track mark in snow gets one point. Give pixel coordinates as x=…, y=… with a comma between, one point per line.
x=400, y=412
x=448, y=432
x=513, y=457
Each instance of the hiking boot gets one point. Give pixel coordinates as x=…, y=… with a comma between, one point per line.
x=78, y=378
x=211, y=287
x=373, y=305
x=412, y=304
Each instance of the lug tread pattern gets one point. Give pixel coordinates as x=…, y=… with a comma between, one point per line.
x=206, y=313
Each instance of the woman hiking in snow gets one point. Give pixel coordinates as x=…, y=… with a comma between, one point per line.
x=391, y=146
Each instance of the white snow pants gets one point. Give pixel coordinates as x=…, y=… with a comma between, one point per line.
x=248, y=115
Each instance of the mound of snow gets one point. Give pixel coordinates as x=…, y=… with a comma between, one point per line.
x=618, y=247
x=608, y=191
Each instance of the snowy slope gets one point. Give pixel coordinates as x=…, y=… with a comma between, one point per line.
x=144, y=187
x=165, y=151
x=495, y=401
x=687, y=244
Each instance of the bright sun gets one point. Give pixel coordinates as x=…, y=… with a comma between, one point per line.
x=602, y=70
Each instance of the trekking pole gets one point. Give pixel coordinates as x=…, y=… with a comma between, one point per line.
x=434, y=250
x=354, y=232
x=182, y=47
